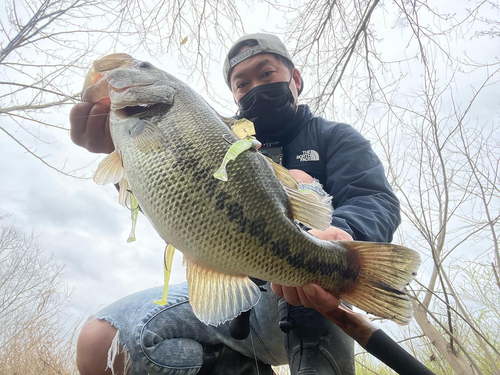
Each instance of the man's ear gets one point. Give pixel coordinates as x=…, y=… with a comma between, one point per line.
x=297, y=78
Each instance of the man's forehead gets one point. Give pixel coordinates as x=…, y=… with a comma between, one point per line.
x=253, y=62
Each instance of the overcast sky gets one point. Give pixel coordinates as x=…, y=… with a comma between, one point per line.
x=82, y=223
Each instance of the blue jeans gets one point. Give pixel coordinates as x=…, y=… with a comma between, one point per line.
x=170, y=339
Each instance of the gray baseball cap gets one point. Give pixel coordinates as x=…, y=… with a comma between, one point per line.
x=265, y=43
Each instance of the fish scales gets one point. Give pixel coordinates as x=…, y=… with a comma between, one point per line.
x=263, y=244
x=244, y=226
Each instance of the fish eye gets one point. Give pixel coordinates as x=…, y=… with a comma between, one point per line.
x=144, y=64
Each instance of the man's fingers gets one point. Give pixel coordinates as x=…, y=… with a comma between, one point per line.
x=320, y=298
x=277, y=289
x=311, y=295
x=304, y=299
x=291, y=296
x=301, y=176
x=90, y=126
x=78, y=120
x=97, y=130
x=331, y=234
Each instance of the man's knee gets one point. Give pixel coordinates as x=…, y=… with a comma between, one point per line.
x=93, y=345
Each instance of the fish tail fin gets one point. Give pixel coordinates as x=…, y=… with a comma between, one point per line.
x=384, y=270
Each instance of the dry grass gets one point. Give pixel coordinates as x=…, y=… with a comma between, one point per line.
x=34, y=334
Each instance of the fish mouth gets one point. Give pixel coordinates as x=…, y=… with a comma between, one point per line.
x=99, y=89
x=96, y=86
x=129, y=84
x=134, y=110
x=123, y=89
x=98, y=70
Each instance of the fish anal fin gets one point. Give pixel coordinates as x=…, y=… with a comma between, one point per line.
x=216, y=297
x=307, y=209
x=147, y=136
x=110, y=169
x=384, y=271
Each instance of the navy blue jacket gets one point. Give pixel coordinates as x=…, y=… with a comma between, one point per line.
x=349, y=170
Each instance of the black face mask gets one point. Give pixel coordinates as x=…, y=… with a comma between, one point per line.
x=270, y=107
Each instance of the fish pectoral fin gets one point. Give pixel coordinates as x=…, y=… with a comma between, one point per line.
x=217, y=297
x=307, y=209
x=110, y=169
x=147, y=136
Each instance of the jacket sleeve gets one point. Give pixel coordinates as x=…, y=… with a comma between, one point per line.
x=364, y=204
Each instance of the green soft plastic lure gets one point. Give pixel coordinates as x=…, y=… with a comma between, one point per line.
x=167, y=270
x=134, y=213
x=236, y=149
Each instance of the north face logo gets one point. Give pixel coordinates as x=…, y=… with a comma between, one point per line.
x=308, y=155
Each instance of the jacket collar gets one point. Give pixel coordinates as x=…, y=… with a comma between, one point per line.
x=290, y=131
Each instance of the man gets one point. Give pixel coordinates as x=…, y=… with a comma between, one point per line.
x=152, y=339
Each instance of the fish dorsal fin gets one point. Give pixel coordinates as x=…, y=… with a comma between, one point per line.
x=216, y=297
x=307, y=209
x=284, y=175
x=147, y=136
x=110, y=169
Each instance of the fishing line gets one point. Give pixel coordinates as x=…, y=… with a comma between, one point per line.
x=254, y=354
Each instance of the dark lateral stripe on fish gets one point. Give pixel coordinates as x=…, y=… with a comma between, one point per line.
x=170, y=151
x=280, y=248
x=303, y=260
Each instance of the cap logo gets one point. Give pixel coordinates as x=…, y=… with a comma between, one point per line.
x=244, y=55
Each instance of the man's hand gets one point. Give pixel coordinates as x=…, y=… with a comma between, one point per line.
x=310, y=295
x=90, y=126
x=356, y=325
x=332, y=234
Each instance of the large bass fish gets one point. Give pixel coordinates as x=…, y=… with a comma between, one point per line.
x=169, y=143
